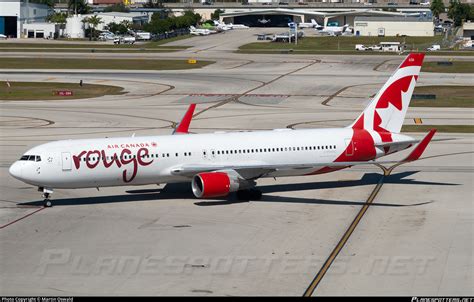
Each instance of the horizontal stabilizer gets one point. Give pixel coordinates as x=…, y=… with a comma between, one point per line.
x=420, y=148
x=393, y=144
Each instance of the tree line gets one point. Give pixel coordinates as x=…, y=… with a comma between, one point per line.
x=457, y=11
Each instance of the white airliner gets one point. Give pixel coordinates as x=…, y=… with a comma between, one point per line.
x=331, y=30
x=216, y=164
x=312, y=24
x=200, y=31
x=238, y=26
x=221, y=25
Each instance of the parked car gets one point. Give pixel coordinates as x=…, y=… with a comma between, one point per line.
x=106, y=36
x=3, y=37
x=374, y=47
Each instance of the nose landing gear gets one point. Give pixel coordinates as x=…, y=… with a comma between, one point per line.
x=46, y=195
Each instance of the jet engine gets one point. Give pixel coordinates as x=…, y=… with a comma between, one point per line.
x=214, y=184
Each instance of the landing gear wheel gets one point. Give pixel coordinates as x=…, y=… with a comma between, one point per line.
x=47, y=203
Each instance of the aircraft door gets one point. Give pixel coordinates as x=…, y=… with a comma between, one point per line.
x=381, y=32
x=349, y=147
x=66, y=160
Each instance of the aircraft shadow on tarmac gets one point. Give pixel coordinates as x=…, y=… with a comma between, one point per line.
x=183, y=191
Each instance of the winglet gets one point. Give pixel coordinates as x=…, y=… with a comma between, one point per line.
x=183, y=126
x=420, y=148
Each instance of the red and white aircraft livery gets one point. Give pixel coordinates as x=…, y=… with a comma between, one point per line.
x=219, y=163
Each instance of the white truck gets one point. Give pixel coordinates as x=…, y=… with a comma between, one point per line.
x=142, y=35
x=434, y=47
x=124, y=40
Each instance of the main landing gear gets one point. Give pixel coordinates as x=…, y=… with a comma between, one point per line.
x=250, y=194
x=46, y=195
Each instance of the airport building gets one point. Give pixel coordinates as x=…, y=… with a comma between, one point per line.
x=75, y=27
x=468, y=30
x=393, y=26
x=118, y=17
x=279, y=17
x=15, y=14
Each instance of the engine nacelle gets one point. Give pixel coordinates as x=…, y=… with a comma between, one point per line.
x=214, y=184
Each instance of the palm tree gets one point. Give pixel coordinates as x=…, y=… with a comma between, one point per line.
x=78, y=6
x=93, y=22
x=58, y=18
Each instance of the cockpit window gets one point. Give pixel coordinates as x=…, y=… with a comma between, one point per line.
x=31, y=157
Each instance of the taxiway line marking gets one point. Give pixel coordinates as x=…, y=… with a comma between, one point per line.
x=317, y=279
x=263, y=84
x=21, y=218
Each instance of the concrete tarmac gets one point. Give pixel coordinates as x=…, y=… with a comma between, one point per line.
x=415, y=239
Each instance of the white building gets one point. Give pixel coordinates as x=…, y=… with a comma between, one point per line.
x=75, y=27
x=39, y=30
x=117, y=17
x=15, y=13
x=393, y=26
x=468, y=30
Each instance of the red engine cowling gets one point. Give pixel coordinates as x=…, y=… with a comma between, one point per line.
x=214, y=184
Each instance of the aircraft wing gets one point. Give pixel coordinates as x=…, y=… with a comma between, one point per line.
x=257, y=169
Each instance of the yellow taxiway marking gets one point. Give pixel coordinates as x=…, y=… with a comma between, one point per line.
x=309, y=291
x=418, y=121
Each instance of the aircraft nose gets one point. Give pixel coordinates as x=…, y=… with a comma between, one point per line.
x=16, y=170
